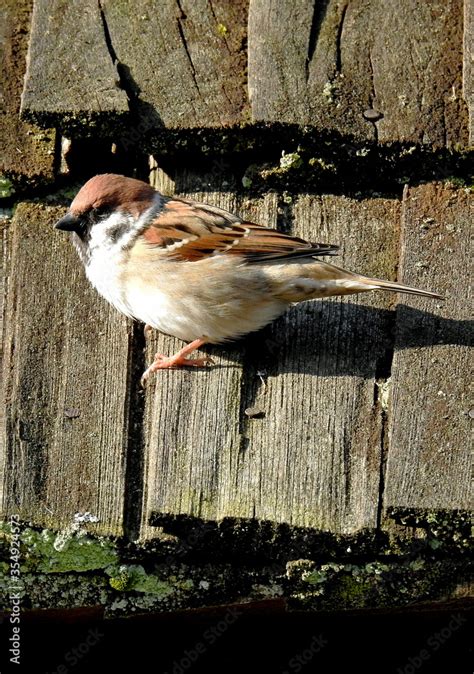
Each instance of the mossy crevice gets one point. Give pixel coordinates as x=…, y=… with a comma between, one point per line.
x=193, y=563
x=374, y=584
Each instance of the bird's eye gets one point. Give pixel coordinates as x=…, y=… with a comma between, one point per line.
x=99, y=212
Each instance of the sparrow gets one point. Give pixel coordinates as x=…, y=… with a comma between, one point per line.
x=195, y=271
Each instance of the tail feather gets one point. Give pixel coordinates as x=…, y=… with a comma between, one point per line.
x=354, y=283
x=317, y=279
x=378, y=284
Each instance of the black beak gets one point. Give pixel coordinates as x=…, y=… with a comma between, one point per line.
x=69, y=224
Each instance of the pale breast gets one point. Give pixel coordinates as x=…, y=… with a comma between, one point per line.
x=105, y=272
x=213, y=298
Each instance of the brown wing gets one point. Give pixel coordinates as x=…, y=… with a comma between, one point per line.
x=190, y=231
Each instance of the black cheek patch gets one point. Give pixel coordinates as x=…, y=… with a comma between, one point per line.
x=115, y=233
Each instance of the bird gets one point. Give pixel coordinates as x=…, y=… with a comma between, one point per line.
x=196, y=271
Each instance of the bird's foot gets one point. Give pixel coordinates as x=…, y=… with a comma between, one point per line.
x=179, y=359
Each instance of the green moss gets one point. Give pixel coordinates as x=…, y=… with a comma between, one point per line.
x=292, y=160
x=460, y=182
x=196, y=565
x=374, y=584
x=120, y=580
x=353, y=591
x=6, y=188
x=49, y=552
x=450, y=531
x=134, y=577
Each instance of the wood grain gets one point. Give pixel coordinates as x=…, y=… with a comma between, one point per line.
x=66, y=382
x=429, y=460
x=468, y=64
x=357, y=68
x=353, y=68
x=295, y=73
x=318, y=449
x=296, y=436
x=186, y=59
x=27, y=152
x=70, y=70
x=192, y=426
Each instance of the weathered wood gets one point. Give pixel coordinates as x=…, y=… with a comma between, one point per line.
x=358, y=68
x=294, y=52
x=406, y=62
x=468, y=70
x=297, y=436
x=314, y=457
x=185, y=58
x=4, y=273
x=70, y=71
x=317, y=452
x=27, y=152
x=355, y=68
x=429, y=459
x=192, y=434
x=328, y=450
x=66, y=382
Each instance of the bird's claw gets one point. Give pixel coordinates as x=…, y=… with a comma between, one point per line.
x=163, y=362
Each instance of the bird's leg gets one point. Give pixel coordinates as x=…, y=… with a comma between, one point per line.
x=179, y=359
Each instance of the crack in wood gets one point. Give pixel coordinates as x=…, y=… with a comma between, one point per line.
x=382, y=376
x=383, y=372
x=339, y=39
x=124, y=81
x=185, y=45
x=372, y=97
x=319, y=11
x=108, y=42
x=135, y=460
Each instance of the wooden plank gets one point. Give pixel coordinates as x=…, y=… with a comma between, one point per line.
x=468, y=70
x=4, y=268
x=185, y=57
x=192, y=433
x=417, y=82
x=354, y=68
x=5, y=249
x=294, y=75
x=70, y=71
x=429, y=460
x=65, y=373
x=357, y=68
x=27, y=152
x=314, y=458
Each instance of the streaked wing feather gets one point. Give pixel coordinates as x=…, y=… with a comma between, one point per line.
x=191, y=231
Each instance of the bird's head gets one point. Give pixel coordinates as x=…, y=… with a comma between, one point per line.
x=106, y=210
